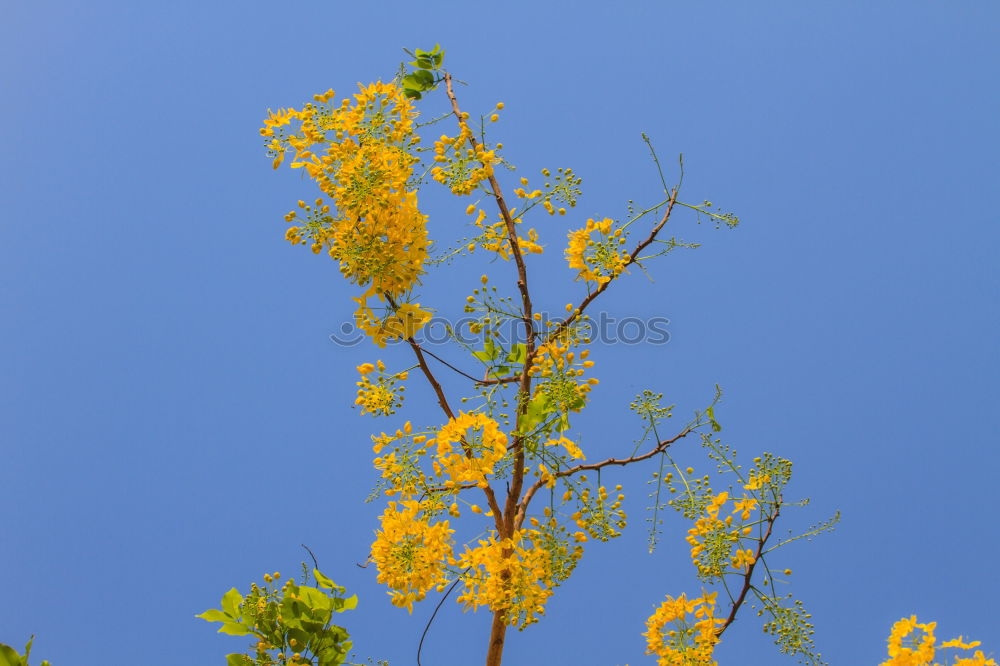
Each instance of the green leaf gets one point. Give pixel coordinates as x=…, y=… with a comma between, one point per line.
x=563, y=424
x=235, y=629
x=10, y=657
x=350, y=603
x=215, y=615
x=231, y=602
x=424, y=78
x=518, y=354
x=323, y=581
x=535, y=413
x=710, y=412
x=238, y=660
x=501, y=371
x=483, y=355
x=313, y=598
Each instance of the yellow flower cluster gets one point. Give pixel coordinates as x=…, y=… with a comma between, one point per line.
x=494, y=237
x=401, y=323
x=562, y=370
x=566, y=190
x=712, y=538
x=599, y=518
x=554, y=539
x=597, y=261
x=914, y=650
x=357, y=153
x=464, y=465
x=571, y=448
x=411, y=552
x=460, y=167
x=400, y=467
x=510, y=576
x=686, y=643
x=383, y=396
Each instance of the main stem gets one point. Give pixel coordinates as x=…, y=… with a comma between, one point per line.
x=495, y=652
x=505, y=520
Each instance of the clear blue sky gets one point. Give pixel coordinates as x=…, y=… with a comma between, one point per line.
x=175, y=419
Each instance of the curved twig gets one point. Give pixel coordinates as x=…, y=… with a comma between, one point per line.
x=522, y=510
x=749, y=573
x=433, y=615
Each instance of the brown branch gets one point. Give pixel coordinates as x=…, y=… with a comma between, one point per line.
x=517, y=477
x=480, y=382
x=446, y=408
x=501, y=380
x=522, y=271
x=747, y=577
x=522, y=511
x=442, y=400
x=632, y=259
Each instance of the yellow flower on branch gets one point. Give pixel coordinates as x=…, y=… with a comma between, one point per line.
x=468, y=448
x=685, y=643
x=381, y=396
x=411, y=553
x=597, y=261
x=357, y=152
x=510, y=576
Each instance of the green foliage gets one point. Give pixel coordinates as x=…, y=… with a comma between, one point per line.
x=425, y=77
x=11, y=657
x=292, y=624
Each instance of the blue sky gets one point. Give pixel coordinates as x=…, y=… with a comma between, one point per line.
x=176, y=420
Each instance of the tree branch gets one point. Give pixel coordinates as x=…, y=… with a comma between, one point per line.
x=569, y=471
x=517, y=477
x=748, y=576
x=446, y=408
x=633, y=258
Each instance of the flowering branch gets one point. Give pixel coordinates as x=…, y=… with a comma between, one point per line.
x=748, y=576
x=632, y=259
x=537, y=485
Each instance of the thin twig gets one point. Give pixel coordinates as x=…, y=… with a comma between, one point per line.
x=461, y=372
x=433, y=615
x=491, y=499
x=308, y=550
x=633, y=258
x=537, y=485
x=747, y=577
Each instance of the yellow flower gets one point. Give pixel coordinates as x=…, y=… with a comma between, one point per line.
x=476, y=454
x=511, y=576
x=410, y=552
x=746, y=505
x=379, y=397
x=597, y=261
x=357, y=153
x=690, y=640
x=571, y=448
